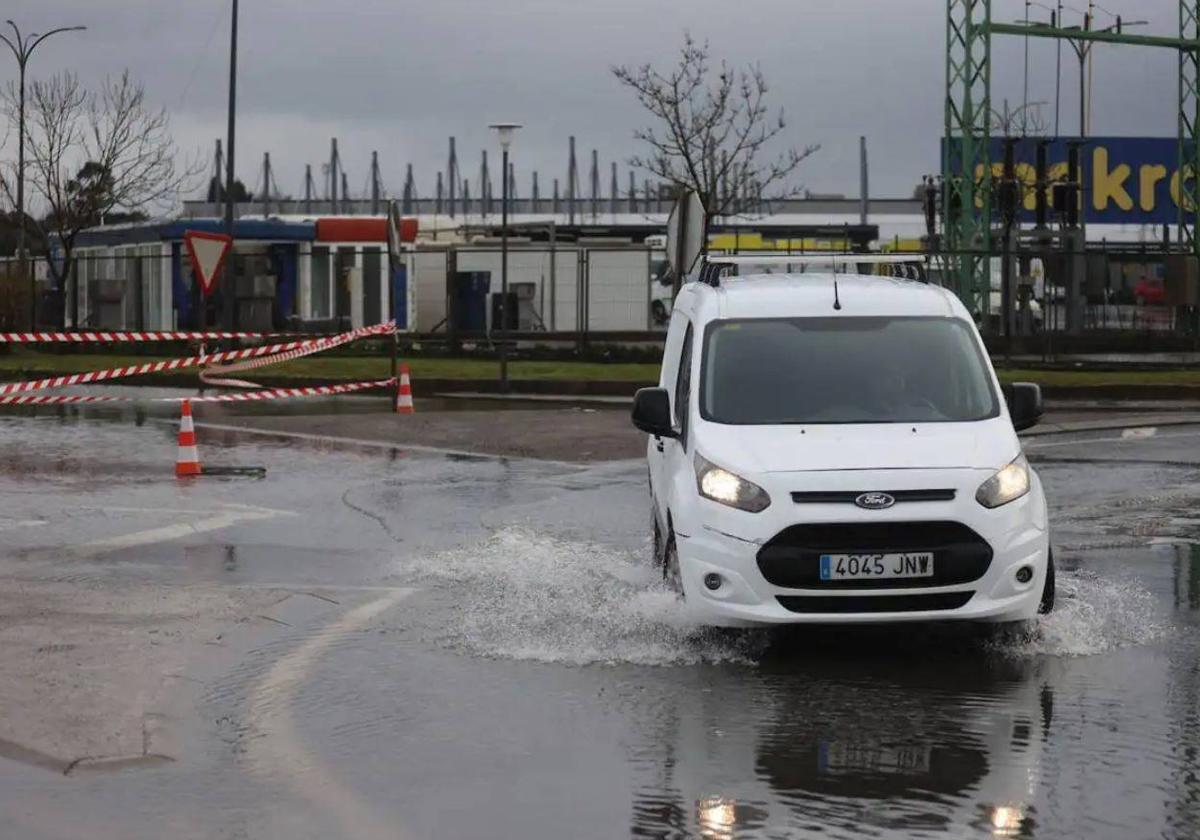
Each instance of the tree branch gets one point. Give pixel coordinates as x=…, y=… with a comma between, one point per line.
x=711, y=131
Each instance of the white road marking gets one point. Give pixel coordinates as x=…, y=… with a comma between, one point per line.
x=304, y=588
x=131, y=509
x=1140, y=433
x=13, y=524
x=178, y=530
x=280, y=746
x=1037, y=444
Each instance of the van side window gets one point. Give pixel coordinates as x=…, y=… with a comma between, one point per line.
x=683, y=388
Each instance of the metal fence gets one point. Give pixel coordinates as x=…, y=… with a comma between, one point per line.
x=151, y=287
x=554, y=292
x=574, y=292
x=452, y=292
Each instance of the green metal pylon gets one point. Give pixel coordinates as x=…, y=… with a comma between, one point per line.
x=966, y=159
x=966, y=155
x=1189, y=118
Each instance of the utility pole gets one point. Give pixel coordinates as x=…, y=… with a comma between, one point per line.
x=22, y=48
x=1083, y=47
x=374, y=183
x=614, y=190
x=308, y=188
x=333, y=175
x=410, y=191
x=485, y=186
x=266, y=193
x=864, y=189
x=595, y=182
x=227, y=292
x=1025, y=92
x=452, y=175
x=218, y=175
x=1057, y=73
x=572, y=181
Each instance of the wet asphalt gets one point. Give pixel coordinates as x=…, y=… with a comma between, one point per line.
x=487, y=654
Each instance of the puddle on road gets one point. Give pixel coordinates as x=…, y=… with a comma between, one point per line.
x=524, y=595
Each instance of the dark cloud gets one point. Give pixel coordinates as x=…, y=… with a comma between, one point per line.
x=402, y=76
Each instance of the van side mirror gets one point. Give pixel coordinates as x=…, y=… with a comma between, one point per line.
x=652, y=412
x=1024, y=404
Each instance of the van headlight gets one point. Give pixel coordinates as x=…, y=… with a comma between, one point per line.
x=722, y=486
x=1008, y=485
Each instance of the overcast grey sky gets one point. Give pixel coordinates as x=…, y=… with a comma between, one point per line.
x=401, y=76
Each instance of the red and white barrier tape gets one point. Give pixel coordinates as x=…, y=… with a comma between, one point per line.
x=207, y=376
x=286, y=351
x=99, y=337
x=250, y=396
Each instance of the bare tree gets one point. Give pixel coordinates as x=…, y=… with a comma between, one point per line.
x=96, y=154
x=712, y=132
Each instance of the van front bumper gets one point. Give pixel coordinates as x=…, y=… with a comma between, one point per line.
x=1016, y=534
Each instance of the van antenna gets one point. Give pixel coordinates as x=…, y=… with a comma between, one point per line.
x=837, y=303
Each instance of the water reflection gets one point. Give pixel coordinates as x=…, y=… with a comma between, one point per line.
x=847, y=745
x=1187, y=576
x=912, y=745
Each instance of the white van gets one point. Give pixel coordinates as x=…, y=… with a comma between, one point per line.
x=836, y=448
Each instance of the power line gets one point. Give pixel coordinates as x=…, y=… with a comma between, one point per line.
x=217, y=19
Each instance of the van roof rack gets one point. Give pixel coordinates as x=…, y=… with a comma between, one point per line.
x=714, y=266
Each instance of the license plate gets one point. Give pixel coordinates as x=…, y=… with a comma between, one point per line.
x=917, y=564
x=837, y=758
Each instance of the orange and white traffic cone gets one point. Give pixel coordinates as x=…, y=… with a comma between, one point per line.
x=404, y=399
x=187, y=462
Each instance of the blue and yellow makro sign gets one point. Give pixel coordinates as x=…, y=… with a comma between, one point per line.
x=1126, y=180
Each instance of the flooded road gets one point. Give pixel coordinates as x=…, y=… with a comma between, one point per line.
x=478, y=647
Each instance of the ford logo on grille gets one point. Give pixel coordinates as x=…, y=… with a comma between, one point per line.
x=875, y=501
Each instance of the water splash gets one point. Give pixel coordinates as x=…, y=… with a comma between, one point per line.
x=520, y=594
x=523, y=594
x=1094, y=615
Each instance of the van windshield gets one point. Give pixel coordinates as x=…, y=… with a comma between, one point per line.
x=844, y=370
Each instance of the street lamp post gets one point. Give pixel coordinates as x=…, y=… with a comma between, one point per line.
x=505, y=132
x=22, y=48
x=228, y=302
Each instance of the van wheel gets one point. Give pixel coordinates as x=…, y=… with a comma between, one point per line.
x=670, y=567
x=1047, y=604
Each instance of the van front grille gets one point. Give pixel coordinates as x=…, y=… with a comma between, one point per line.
x=792, y=558
x=842, y=497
